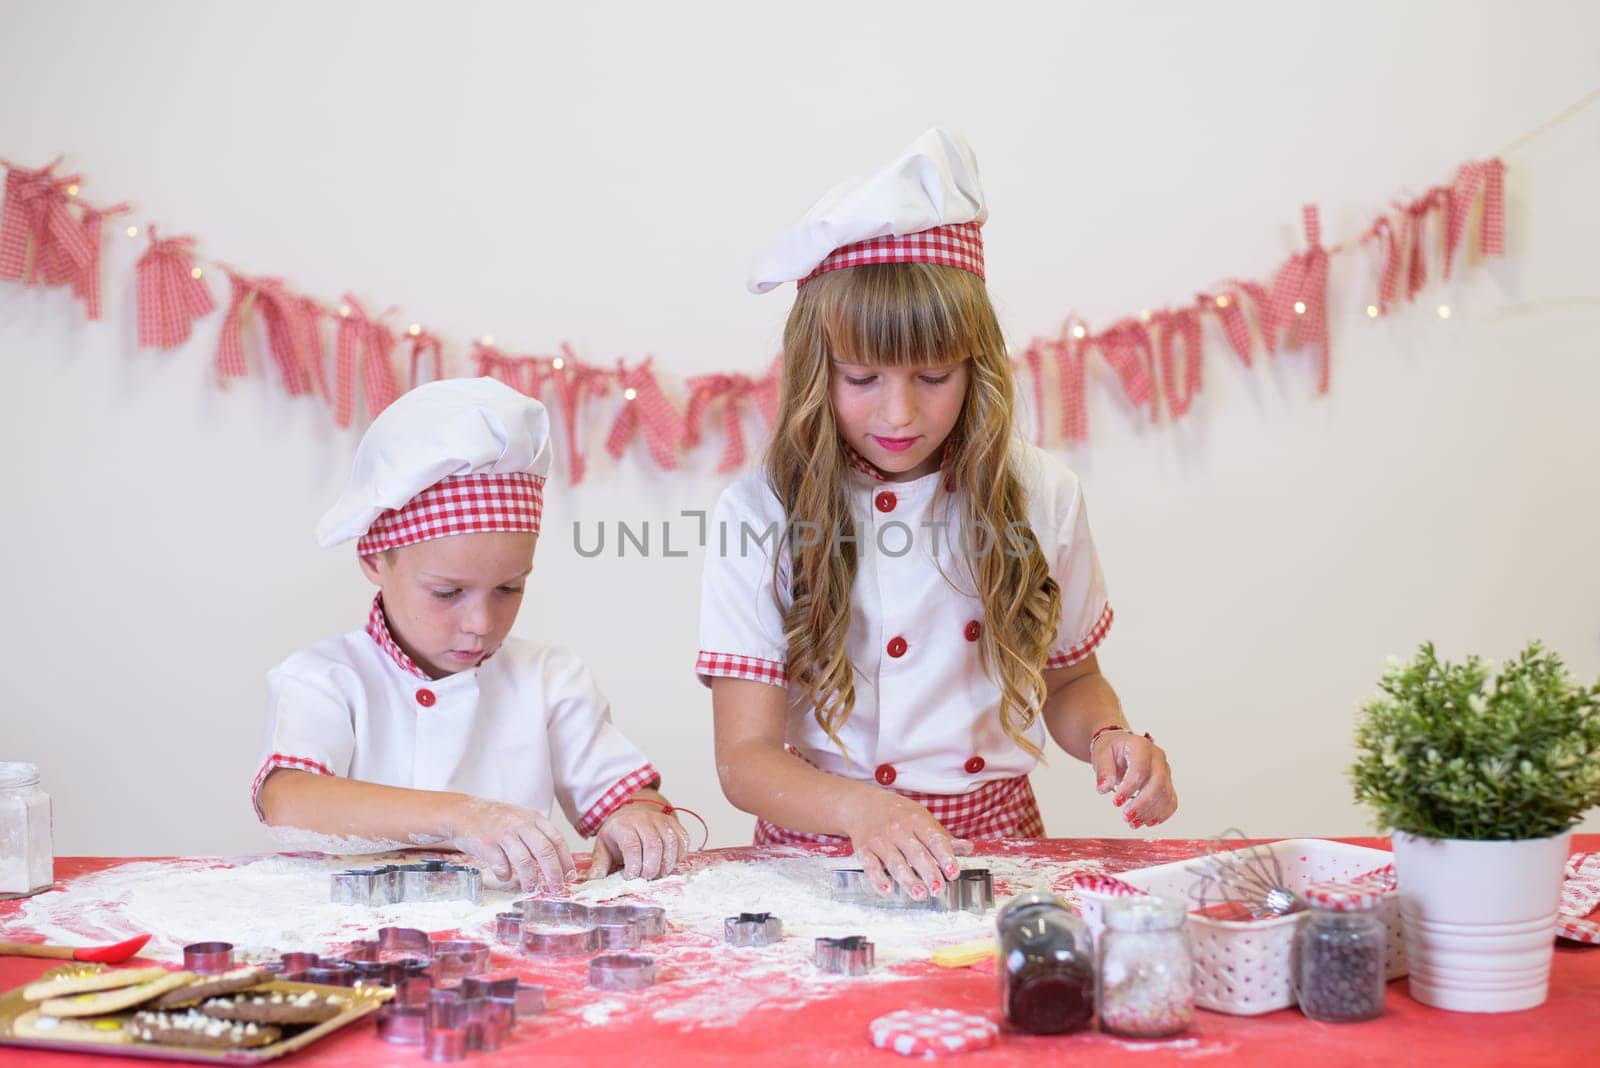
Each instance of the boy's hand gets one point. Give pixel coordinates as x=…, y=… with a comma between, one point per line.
x=1135, y=770
x=513, y=842
x=896, y=838
x=643, y=838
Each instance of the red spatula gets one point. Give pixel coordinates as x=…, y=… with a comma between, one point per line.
x=95, y=954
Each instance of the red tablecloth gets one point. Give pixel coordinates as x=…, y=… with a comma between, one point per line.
x=832, y=1030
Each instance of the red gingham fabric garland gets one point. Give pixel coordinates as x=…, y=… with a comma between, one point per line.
x=169, y=296
x=1001, y=808
x=1181, y=326
x=957, y=245
x=1303, y=281
x=425, y=345
x=460, y=504
x=932, y=1032
x=1126, y=347
x=575, y=383
x=649, y=408
x=286, y=324
x=731, y=390
x=60, y=268
x=36, y=218
x=375, y=343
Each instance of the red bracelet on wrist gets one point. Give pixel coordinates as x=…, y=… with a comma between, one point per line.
x=670, y=809
x=1111, y=728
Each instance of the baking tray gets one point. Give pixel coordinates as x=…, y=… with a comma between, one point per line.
x=120, y=1041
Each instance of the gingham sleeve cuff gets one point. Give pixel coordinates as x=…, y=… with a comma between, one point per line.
x=1068, y=657
x=271, y=764
x=709, y=665
x=616, y=797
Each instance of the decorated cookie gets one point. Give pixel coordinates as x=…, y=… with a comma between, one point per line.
x=35, y=1024
x=201, y=989
x=106, y=1002
x=194, y=1029
x=88, y=980
x=310, y=1007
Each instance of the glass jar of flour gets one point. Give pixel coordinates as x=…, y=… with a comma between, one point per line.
x=27, y=862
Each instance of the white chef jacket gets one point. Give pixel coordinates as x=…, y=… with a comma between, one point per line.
x=526, y=726
x=926, y=714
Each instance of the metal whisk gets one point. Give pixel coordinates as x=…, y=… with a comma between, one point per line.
x=1249, y=878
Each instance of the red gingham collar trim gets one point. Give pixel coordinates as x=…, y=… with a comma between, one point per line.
x=866, y=467
x=460, y=504
x=956, y=245
x=378, y=631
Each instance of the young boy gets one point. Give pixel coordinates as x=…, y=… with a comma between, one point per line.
x=431, y=726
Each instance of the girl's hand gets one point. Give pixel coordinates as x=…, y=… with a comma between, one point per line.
x=1135, y=769
x=896, y=838
x=644, y=839
x=513, y=842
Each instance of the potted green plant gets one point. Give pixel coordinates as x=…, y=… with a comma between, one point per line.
x=1481, y=774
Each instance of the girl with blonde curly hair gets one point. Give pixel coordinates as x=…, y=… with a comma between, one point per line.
x=902, y=604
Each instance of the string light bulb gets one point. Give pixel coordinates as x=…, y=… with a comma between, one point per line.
x=630, y=393
x=72, y=190
x=1223, y=301
x=195, y=272
x=1080, y=331
x=488, y=339
x=414, y=329
x=133, y=231
x=1372, y=311
x=1444, y=311
x=558, y=363
x=1299, y=307
x=1145, y=315
x=344, y=311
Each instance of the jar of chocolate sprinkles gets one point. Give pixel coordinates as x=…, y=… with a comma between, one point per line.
x=1339, y=965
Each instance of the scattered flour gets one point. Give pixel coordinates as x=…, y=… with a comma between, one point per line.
x=275, y=904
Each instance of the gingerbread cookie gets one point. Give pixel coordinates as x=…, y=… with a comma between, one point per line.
x=278, y=1007
x=89, y=980
x=198, y=991
x=106, y=1030
x=107, y=1002
x=199, y=1031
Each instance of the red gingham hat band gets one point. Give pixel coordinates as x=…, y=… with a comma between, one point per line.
x=956, y=245
x=460, y=504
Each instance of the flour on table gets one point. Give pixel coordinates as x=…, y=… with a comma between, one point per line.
x=276, y=904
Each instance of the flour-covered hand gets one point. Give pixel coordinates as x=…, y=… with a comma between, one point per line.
x=1135, y=771
x=512, y=842
x=641, y=837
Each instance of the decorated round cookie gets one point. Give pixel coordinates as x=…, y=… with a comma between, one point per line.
x=932, y=1032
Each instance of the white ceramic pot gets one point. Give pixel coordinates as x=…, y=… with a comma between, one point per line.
x=1480, y=919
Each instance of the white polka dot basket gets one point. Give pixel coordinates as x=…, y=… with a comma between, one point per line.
x=1243, y=968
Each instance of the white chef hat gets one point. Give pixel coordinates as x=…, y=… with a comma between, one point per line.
x=925, y=207
x=456, y=456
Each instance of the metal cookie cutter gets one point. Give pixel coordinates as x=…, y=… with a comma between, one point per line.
x=208, y=958
x=973, y=891
x=508, y=928
x=553, y=911
x=651, y=921
x=569, y=942
x=528, y=998
x=622, y=971
x=455, y=960
x=391, y=884
x=752, y=929
x=851, y=955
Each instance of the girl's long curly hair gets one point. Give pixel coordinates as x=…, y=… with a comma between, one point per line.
x=905, y=315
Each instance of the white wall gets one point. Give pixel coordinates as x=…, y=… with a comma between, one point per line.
x=603, y=173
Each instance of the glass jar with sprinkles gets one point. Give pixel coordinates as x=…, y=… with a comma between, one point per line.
x=27, y=860
x=1046, y=966
x=1339, y=965
x=1146, y=983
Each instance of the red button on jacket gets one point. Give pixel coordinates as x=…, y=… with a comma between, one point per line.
x=885, y=501
x=425, y=698
x=897, y=647
x=974, y=630
x=973, y=765
x=885, y=775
